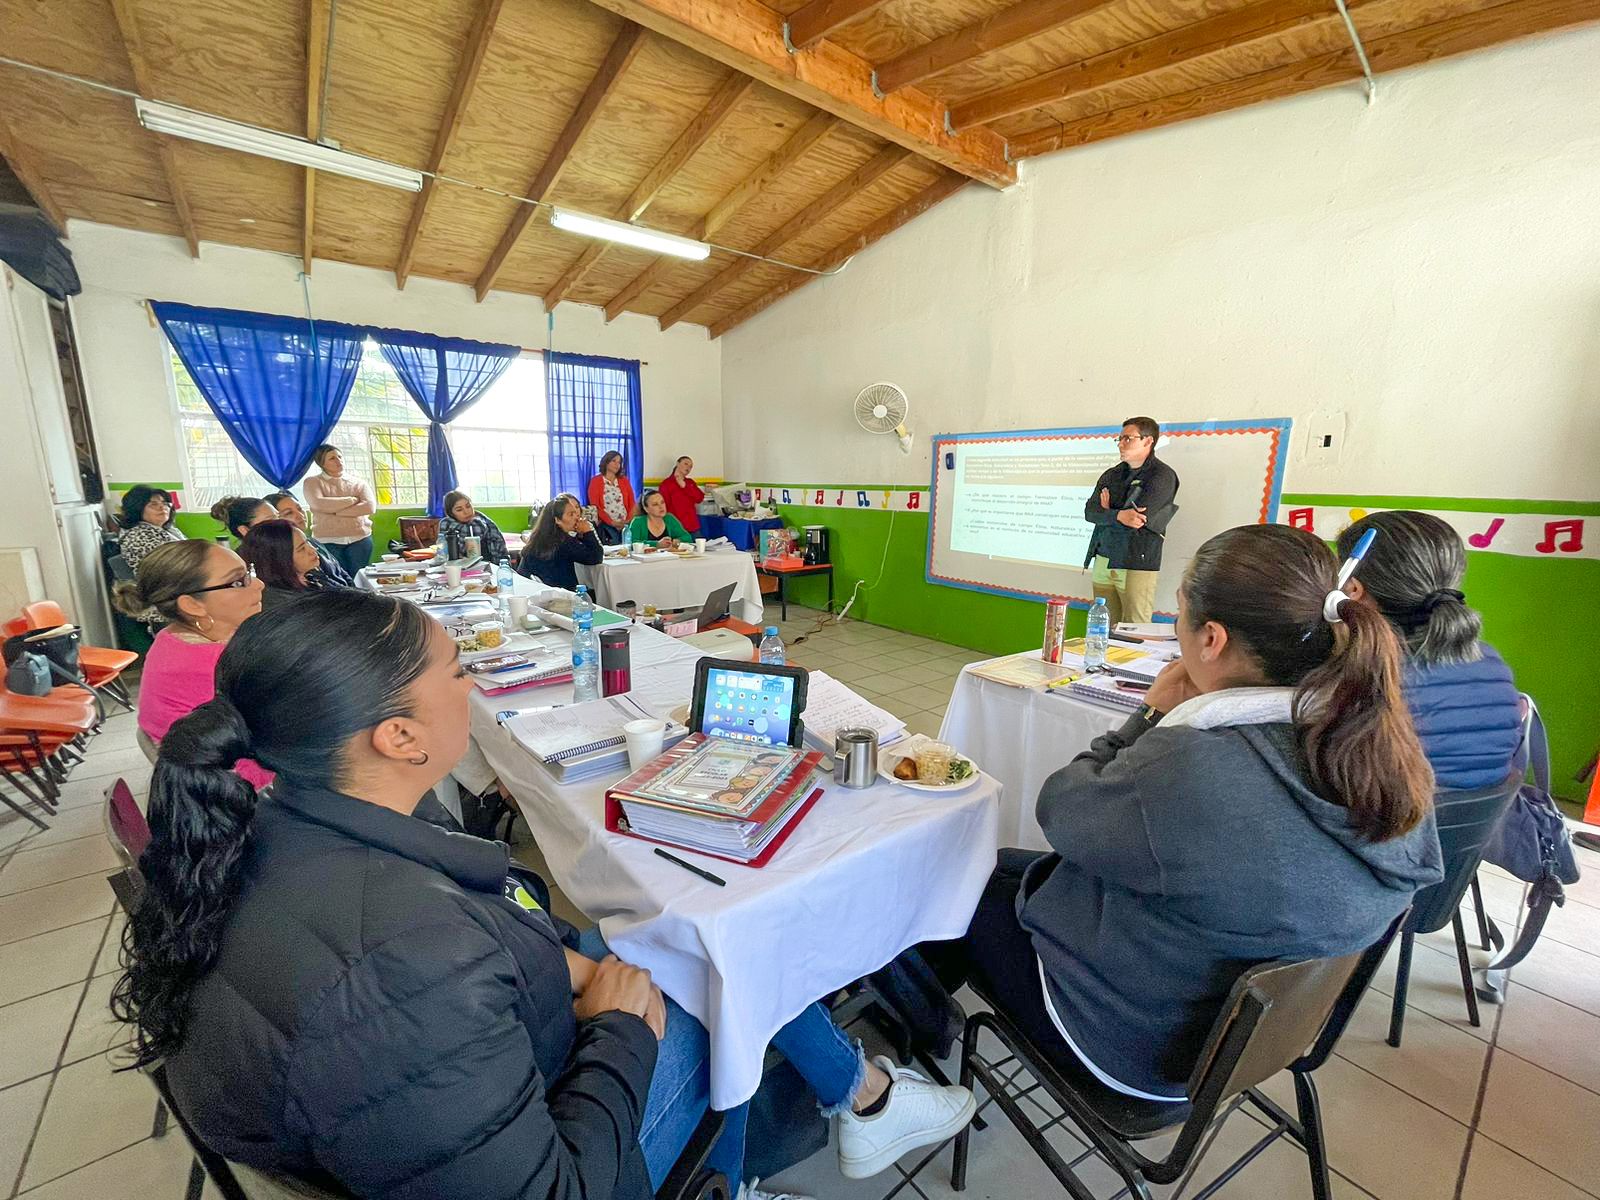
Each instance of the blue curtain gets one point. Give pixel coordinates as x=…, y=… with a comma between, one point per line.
x=277, y=384
x=444, y=376
x=594, y=407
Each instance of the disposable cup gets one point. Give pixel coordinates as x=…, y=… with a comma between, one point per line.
x=644, y=739
x=699, y=545
x=452, y=575
x=519, y=611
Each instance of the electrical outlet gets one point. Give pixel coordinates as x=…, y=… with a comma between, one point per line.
x=1325, y=438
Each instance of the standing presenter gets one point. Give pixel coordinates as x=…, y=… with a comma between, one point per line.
x=1130, y=508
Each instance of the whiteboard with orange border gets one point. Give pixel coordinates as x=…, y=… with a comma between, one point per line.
x=1006, y=507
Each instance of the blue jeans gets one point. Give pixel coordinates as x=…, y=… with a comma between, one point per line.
x=680, y=1089
x=351, y=557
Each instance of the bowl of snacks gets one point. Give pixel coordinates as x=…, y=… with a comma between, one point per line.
x=927, y=765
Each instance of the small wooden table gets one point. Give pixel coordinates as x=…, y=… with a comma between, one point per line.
x=783, y=574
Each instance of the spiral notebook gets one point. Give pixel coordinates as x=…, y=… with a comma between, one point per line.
x=554, y=735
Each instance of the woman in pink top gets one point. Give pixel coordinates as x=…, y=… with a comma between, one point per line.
x=205, y=592
x=343, y=508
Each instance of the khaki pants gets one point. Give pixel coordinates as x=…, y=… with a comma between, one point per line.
x=1129, y=595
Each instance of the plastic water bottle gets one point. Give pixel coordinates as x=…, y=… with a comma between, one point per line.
x=772, y=648
x=1095, y=645
x=585, y=650
x=505, y=577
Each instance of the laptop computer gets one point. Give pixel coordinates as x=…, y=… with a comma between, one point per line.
x=716, y=608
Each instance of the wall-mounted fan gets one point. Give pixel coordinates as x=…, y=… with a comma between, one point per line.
x=882, y=408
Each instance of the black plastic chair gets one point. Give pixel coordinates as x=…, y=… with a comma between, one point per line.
x=1274, y=1012
x=1466, y=819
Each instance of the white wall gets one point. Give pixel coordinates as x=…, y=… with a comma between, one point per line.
x=1429, y=266
x=125, y=354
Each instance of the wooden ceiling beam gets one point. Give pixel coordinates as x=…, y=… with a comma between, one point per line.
x=455, y=111
x=32, y=178
x=700, y=131
x=623, y=51
x=851, y=246
x=863, y=176
x=1238, y=27
x=751, y=186
x=1006, y=28
x=1411, y=47
x=748, y=36
x=128, y=27
x=318, y=25
x=817, y=20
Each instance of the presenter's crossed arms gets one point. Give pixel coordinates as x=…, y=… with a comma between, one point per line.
x=1133, y=518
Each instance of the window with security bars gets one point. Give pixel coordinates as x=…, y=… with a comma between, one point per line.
x=501, y=443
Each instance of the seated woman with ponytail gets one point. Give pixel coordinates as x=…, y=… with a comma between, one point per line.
x=1270, y=801
x=1460, y=691
x=349, y=995
x=204, y=592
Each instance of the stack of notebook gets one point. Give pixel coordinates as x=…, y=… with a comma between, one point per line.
x=579, y=741
x=1105, y=690
x=732, y=800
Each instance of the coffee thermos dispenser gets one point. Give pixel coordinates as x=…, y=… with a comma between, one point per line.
x=616, y=672
x=816, y=551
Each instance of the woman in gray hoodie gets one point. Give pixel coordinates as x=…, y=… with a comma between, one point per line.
x=1271, y=801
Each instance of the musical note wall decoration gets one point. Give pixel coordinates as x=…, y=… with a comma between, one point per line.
x=1480, y=541
x=1570, y=529
x=1303, y=518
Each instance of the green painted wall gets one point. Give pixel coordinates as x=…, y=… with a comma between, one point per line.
x=385, y=523
x=1540, y=614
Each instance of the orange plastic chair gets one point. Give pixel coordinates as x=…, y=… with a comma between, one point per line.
x=39, y=741
x=102, y=666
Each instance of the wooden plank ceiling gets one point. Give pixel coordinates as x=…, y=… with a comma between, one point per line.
x=801, y=130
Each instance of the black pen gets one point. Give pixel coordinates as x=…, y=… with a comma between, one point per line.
x=706, y=875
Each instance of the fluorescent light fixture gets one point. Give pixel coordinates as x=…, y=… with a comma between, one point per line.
x=629, y=235
x=174, y=121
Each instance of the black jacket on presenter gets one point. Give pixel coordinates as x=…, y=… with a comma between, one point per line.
x=1152, y=487
x=384, y=1017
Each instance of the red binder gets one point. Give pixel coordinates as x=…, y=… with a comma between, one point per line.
x=798, y=777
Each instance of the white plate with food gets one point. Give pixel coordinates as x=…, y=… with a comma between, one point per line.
x=896, y=760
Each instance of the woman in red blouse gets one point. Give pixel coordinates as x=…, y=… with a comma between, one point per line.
x=611, y=495
x=682, y=493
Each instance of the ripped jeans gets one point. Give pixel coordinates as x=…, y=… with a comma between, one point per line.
x=831, y=1062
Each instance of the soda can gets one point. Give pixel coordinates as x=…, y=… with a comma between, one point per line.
x=1055, y=628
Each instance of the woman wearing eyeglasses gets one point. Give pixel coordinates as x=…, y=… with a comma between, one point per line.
x=204, y=592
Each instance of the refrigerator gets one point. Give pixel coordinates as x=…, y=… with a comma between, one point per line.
x=42, y=461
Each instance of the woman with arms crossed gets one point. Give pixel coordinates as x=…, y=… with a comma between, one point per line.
x=611, y=496
x=343, y=508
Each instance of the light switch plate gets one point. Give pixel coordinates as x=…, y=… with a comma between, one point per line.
x=1325, y=438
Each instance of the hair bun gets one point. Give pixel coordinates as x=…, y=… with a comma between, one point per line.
x=212, y=736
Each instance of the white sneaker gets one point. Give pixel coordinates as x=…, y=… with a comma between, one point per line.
x=919, y=1113
x=750, y=1191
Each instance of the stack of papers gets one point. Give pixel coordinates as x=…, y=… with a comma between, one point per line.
x=1028, y=670
x=581, y=740
x=729, y=799
x=1103, y=690
x=831, y=706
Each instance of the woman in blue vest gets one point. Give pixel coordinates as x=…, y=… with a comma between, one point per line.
x=1460, y=692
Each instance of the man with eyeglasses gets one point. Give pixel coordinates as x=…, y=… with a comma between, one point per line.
x=1129, y=508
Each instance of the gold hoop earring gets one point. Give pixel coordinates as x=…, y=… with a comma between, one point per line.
x=420, y=762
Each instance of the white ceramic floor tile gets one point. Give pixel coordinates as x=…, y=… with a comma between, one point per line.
x=96, y=1031
x=157, y=1168
x=1361, y=1114
x=31, y=868
x=19, y=1116
x=1435, y=987
x=1563, y=972
x=53, y=907
x=1543, y=1117
x=107, y=960
x=66, y=826
x=94, y=1110
x=48, y=961
x=1553, y=1035
x=33, y=1031
x=1496, y=1173
x=1435, y=1062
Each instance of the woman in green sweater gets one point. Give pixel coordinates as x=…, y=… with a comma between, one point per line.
x=654, y=525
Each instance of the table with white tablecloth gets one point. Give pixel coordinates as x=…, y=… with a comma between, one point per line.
x=681, y=581
x=1020, y=736
x=865, y=875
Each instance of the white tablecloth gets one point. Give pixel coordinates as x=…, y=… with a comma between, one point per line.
x=677, y=583
x=864, y=876
x=1020, y=736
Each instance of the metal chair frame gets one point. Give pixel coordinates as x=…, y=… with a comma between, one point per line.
x=1211, y=1099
